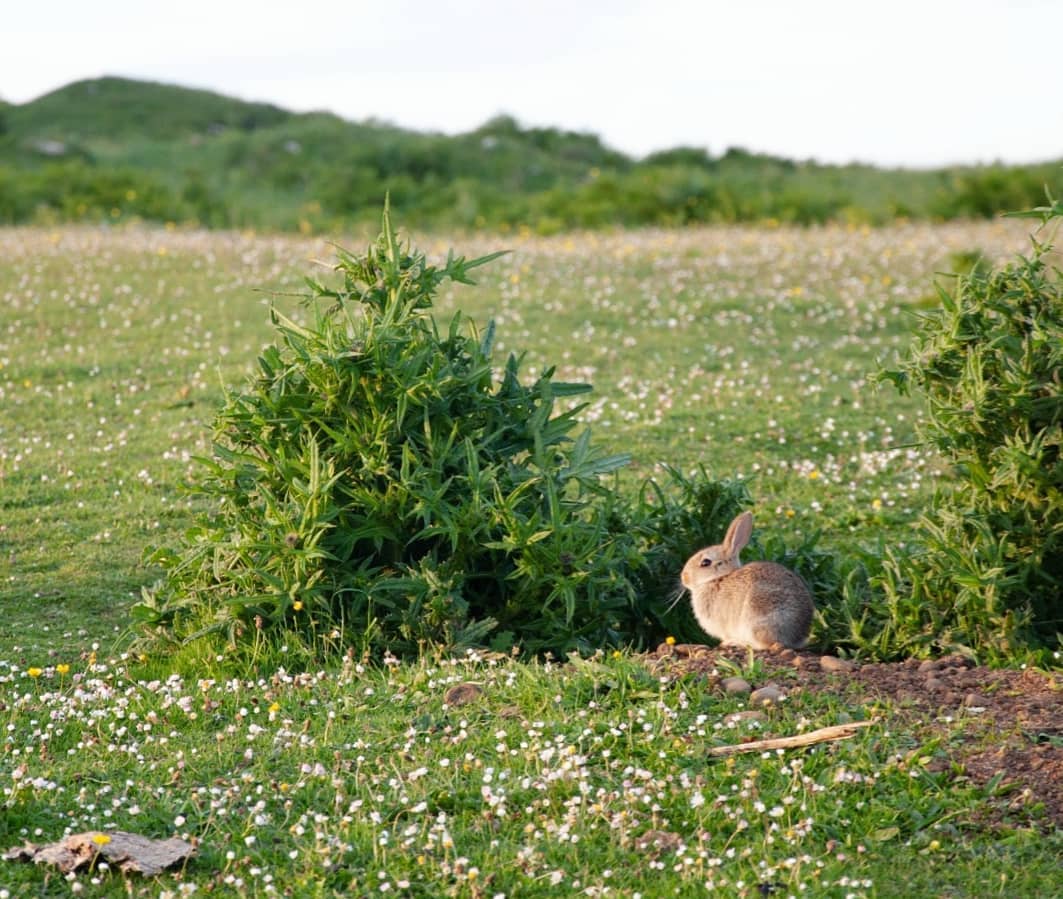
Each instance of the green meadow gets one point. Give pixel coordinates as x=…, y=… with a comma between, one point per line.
x=743, y=350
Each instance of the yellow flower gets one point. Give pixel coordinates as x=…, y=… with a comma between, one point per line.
x=101, y=839
x=62, y=669
x=298, y=605
x=34, y=672
x=274, y=707
x=670, y=641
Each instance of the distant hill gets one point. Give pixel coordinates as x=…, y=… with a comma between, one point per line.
x=114, y=148
x=121, y=108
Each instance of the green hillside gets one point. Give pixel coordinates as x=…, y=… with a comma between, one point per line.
x=114, y=148
x=123, y=109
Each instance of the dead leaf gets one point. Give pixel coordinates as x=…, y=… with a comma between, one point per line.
x=657, y=842
x=461, y=694
x=129, y=852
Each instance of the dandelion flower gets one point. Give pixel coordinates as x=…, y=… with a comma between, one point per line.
x=34, y=672
x=100, y=839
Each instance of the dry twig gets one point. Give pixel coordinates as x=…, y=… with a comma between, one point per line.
x=823, y=735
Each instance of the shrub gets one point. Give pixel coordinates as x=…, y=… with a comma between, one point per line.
x=378, y=485
x=988, y=577
x=991, y=190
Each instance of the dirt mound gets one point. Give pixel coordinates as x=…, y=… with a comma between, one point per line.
x=1002, y=725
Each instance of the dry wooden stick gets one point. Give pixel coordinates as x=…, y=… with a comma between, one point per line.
x=823, y=735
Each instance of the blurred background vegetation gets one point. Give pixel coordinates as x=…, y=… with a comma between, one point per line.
x=115, y=149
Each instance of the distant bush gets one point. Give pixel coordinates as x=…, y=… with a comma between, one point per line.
x=990, y=191
x=77, y=191
x=377, y=485
x=987, y=576
x=202, y=158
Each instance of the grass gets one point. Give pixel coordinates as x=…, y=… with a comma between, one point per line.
x=741, y=349
x=554, y=780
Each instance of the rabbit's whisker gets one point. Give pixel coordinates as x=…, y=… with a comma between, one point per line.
x=678, y=595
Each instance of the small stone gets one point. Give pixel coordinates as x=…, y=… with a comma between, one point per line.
x=975, y=702
x=735, y=685
x=769, y=694
x=833, y=663
x=786, y=654
x=956, y=662
x=927, y=665
x=934, y=685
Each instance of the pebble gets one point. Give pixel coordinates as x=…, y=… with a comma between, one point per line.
x=735, y=685
x=833, y=663
x=769, y=694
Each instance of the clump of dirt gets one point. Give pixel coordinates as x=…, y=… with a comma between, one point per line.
x=1002, y=725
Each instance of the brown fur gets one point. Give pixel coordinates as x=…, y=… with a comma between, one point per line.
x=758, y=605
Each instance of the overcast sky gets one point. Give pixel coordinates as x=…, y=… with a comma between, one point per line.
x=894, y=83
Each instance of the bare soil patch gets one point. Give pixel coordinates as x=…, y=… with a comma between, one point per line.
x=999, y=727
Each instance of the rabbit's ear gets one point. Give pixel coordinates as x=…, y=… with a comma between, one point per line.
x=738, y=534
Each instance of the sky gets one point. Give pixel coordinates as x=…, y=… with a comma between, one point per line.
x=906, y=83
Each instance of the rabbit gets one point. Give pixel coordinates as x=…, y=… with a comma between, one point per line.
x=757, y=605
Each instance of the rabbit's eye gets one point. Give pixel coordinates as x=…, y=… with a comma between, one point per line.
x=706, y=562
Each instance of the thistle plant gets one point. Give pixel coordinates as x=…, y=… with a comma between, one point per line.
x=380, y=484
x=988, y=575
